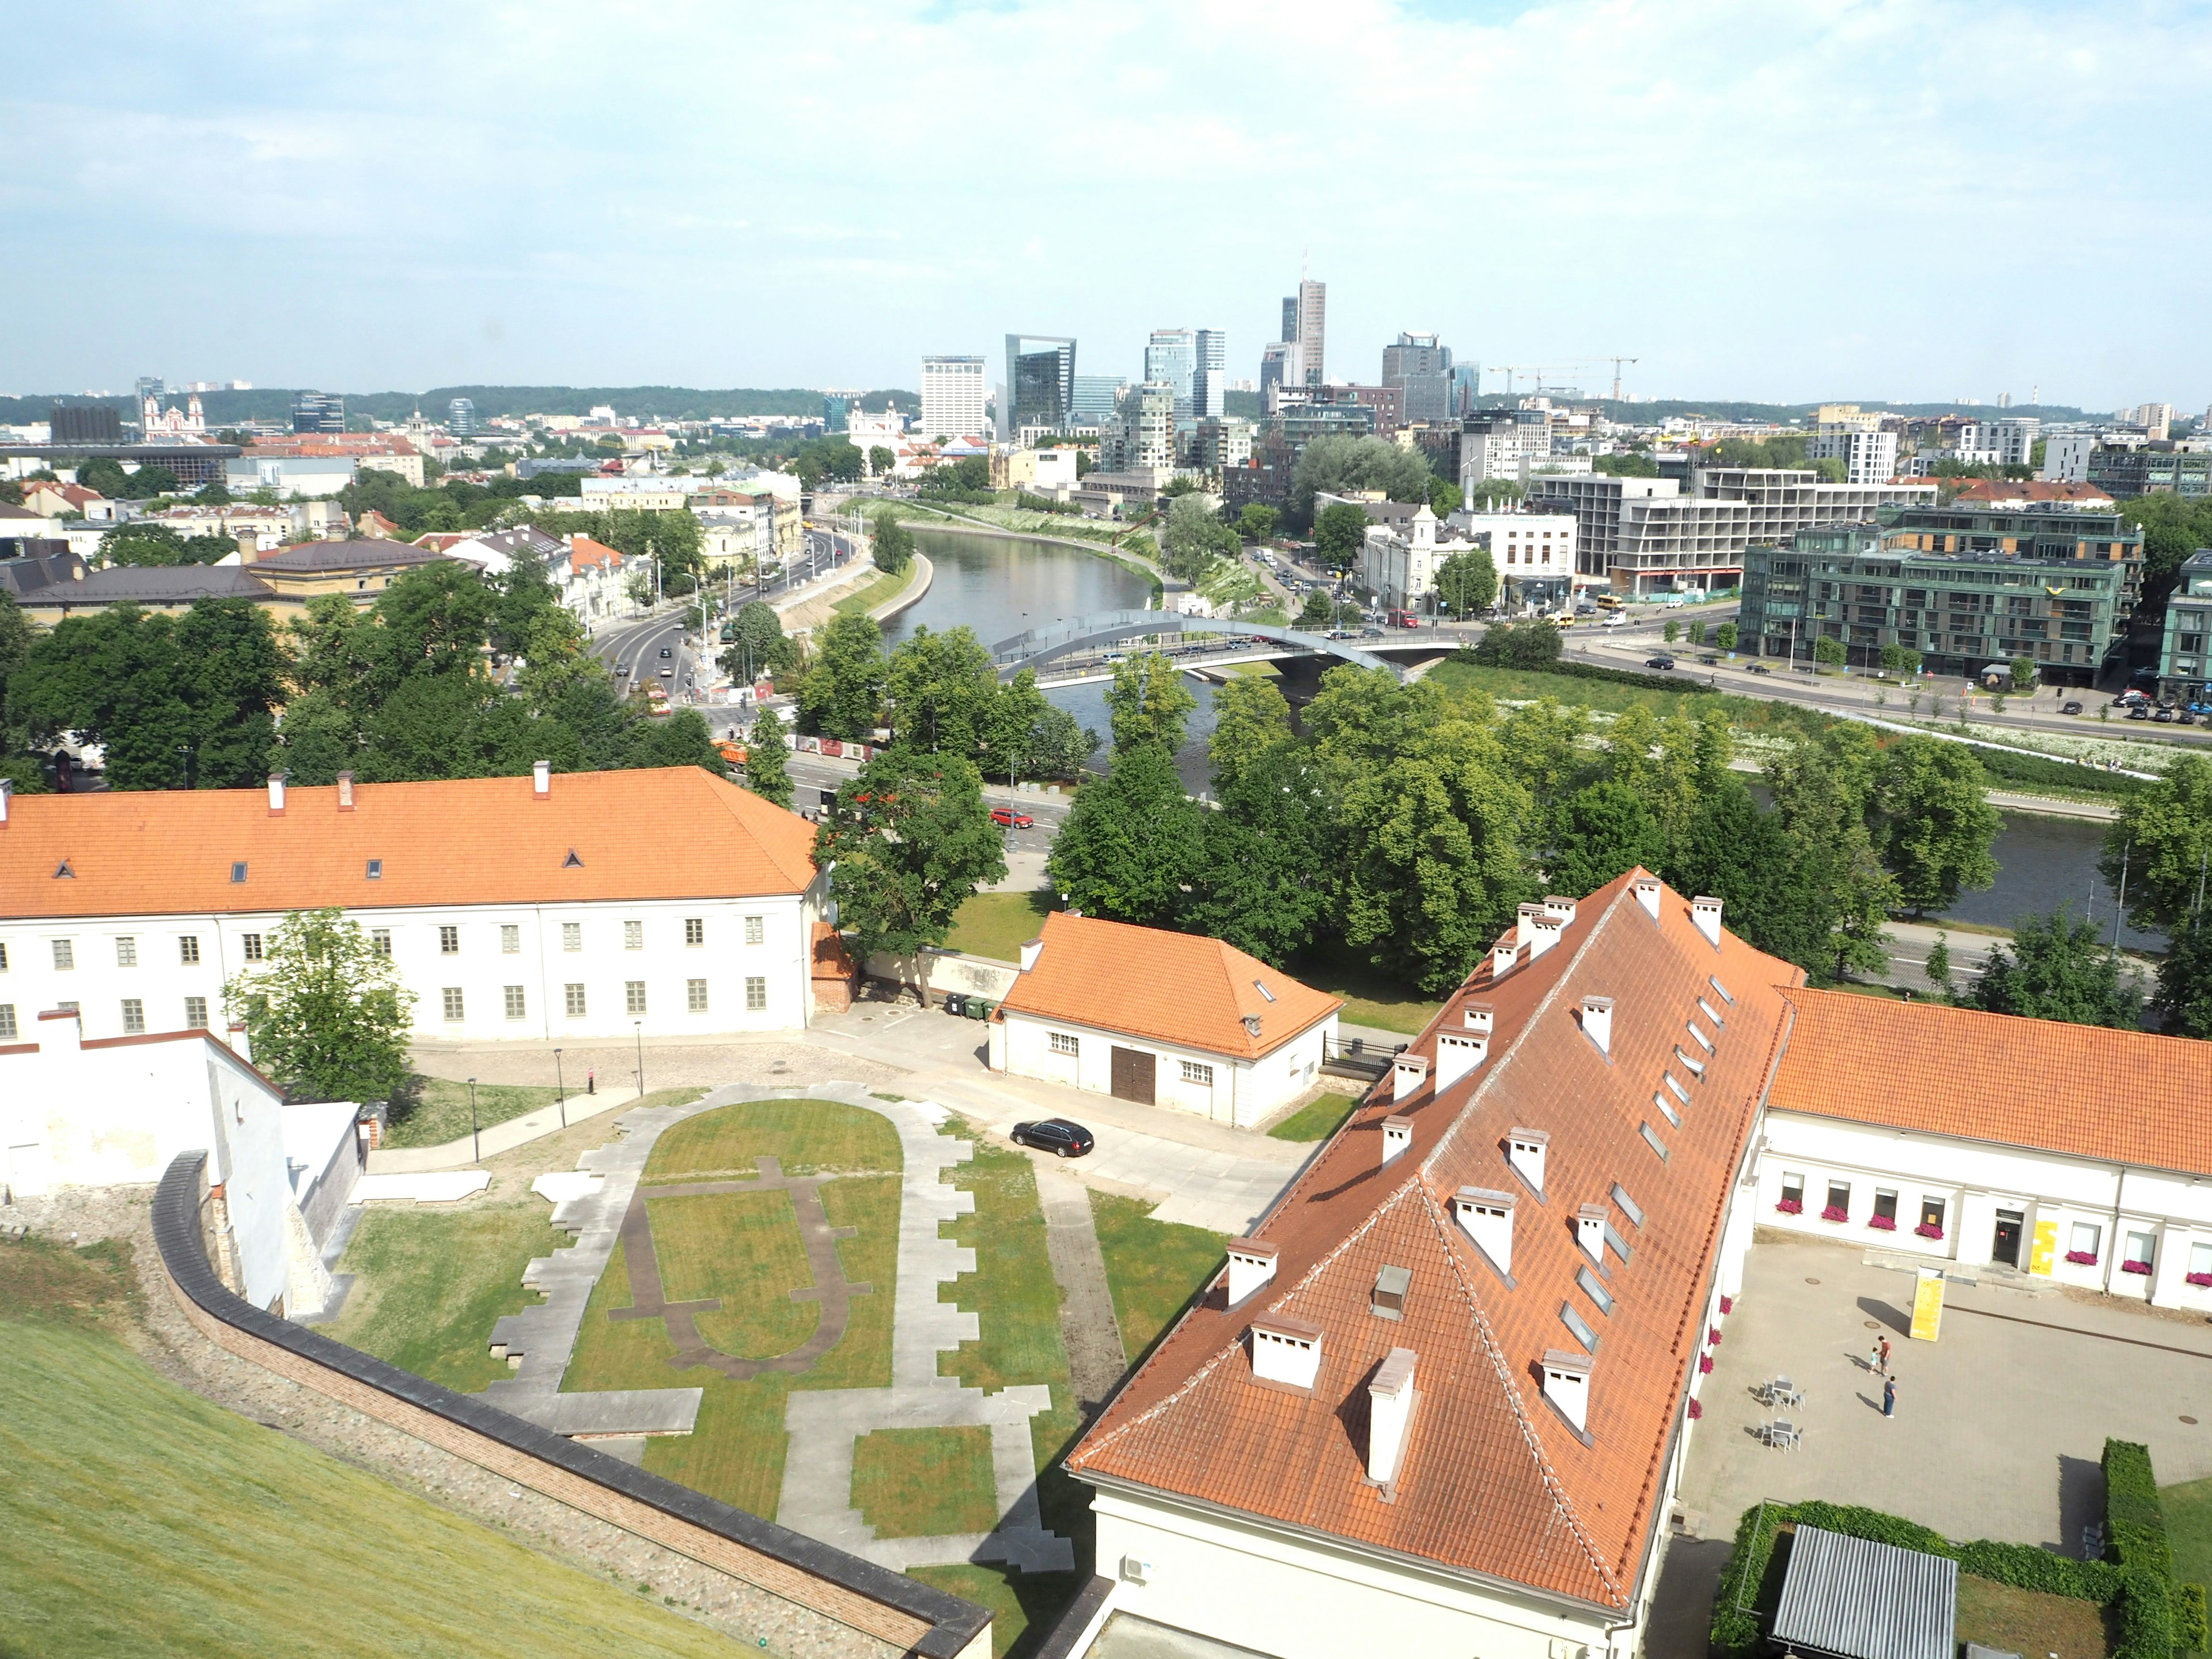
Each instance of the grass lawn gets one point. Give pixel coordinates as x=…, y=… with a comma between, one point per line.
x=433, y=1282
x=1154, y=1267
x=441, y=1112
x=1369, y=998
x=2029, y=1621
x=744, y=1248
x=1316, y=1121
x=886, y=587
x=922, y=1483
x=2189, y=1529
x=108, y=1544
x=808, y=1137
x=997, y=925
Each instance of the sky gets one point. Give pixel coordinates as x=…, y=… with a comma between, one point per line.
x=1917, y=200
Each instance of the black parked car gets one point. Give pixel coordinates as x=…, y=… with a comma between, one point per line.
x=2071, y=708
x=1055, y=1134
x=1658, y=662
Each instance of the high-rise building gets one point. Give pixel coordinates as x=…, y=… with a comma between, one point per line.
x=85, y=424
x=1419, y=366
x=1096, y=395
x=1171, y=358
x=836, y=411
x=1040, y=384
x=1467, y=387
x=460, y=418
x=1209, y=386
x=317, y=411
x=1313, y=328
x=1144, y=434
x=1289, y=317
x=952, y=397
x=2156, y=419
x=1279, y=365
x=151, y=386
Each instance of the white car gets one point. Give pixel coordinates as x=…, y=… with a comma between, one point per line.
x=1618, y=619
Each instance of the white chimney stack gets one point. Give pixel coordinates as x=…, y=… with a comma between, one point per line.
x=7, y=793
x=1286, y=1352
x=1032, y=950
x=1646, y=888
x=1590, y=1231
x=1525, y=924
x=1486, y=1217
x=345, y=791
x=1251, y=1267
x=241, y=1044
x=1545, y=934
x=1390, y=1400
x=276, y=782
x=1477, y=1017
x=1524, y=1150
x=1706, y=913
x=1407, y=1074
x=541, y=779
x=1598, y=1023
x=1562, y=909
x=1457, y=1055
x=1397, y=1136
x=1566, y=1385
x=1503, y=956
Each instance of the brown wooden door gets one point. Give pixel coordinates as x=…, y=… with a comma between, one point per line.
x=1135, y=1074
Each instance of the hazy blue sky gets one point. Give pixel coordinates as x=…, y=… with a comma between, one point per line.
x=1914, y=199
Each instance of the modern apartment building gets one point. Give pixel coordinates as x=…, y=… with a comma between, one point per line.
x=2031, y=532
x=1040, y=384
x=2184, y=670
x=1171, y=358
x=1313, y=331
x=2152, y=469
x=1143, y=435
x=952, y=398
x=1420, y=367
x=461, y=417
x=1215, y=441
x=1999, y=443
x=1868, y=456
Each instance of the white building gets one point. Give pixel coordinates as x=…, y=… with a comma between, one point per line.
x=953, y=393
x=1398, y=567
x=1998, y=443
x=2066, y=457
x=1169, y=1020
x=1143, y=435
x=289, y=476
x=1868, y=456
x=1524, y=545
x=513, y=908
x=883, y=428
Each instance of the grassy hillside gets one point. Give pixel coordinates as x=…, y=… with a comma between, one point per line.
x=135, y=1517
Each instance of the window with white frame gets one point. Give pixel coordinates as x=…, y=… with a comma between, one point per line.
x=188, y=950
x=1195, y=1071
x=756, y=994
x=134, y=1016
x=634, y=996
x=2083, y=1247
x=2200, y=1262
x=65, y=955
x=1060, y=1042
x=249, y=946
x=126, y=951
x=380, y=941
x=1793, y=1189
x=196, y=1014
x=451, y=995
x=572, y=999
x=510, y=938
x=449, y=941
x=2143, y=1247
x=694, y=931
x=756, y=930
x=694, y=995
x=517, y=1004
x=3, y=957
x=633, y=936
x=572, y=936
x=7, y=1022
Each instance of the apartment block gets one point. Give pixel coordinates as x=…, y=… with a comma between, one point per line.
x=953, y=392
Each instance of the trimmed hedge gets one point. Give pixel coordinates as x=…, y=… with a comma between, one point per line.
x=2192, y=1623
x=1568, y=668
x=2135, y=1522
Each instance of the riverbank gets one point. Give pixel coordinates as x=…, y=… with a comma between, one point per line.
x=918, y=576
x=1135, y=563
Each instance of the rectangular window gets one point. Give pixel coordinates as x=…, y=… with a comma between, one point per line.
x=634, y=996
x=250, y=946
x=1839, y=1196
x=1061, y=1043
x=1651, y=1139
x=1575, y=1322
x=516, y=1008
x=2141, y=1248
x=1194, y=1073
x=196, y=1014
x=756, y=994
x=375, y=870
x=1793, y=1189
x=574, y=1000
x=452, y=995
x=2087, y=1236
x=1592, y=1289
x=1885, y=1205
x=126, y=951
x=238, y=870
x=1713, y=981
x=695, y=930
x=510, y=939
x=449, y=941
x=7, y=1022
x=2200, y=1261
x=1629, y=1206
x=1931, y=1215
x=65, y=955
x=188, y=950
x=572, y=935
x=1619, y=1244
x=756, y=930
x=694, y=995
x=1673, y=1116
x=134, y=1016
x=380, y=941
x=3, y=958
x=633, y=936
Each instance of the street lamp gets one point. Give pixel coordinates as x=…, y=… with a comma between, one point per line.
x=639, y=1024
x=476, y=1136
x=561, y=1088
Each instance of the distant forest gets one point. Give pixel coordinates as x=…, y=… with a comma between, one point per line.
x=659, y=403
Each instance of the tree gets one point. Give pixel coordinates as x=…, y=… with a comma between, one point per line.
x=1604, y=830
x=1148, y=703
x=1938, y=965
x=761, y=645
x=843, y=690
x=1250, y=717
x=767, y=771
x=679, y=545
x=1531, y=644
x=892, y=543
x=1934, y=823
x=1059, y=746
x=1486, y=493
x=2161, y=845
x=2023, y=672
x=908, y=843
x=1467, y=581
x=105, y=474
x=880, y=460
x=328, y=1017
x=1134, y=841
x=1339, y=534
x=940, y=691
x=1318, y=611
x=1443, y=497
x=1829, y=652
x=1899, y=659
x=1257, y=523
x=1843, y=894
x=2056, y=969
x=1338, y=465
x=1725, y=636
x=138, y=542
x=2183, y=999
x=1671, y=631
x=154, y=480
x=1195, y=540
x=1626, y=465
x=1263, y=883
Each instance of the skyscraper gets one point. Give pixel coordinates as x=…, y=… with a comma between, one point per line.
x=1209, y=390
x=1096, y=397
x=1040, y=384
x=1419, y=366
x=461, y=418
x=1289, y=317
x=836, y=411
x=317, y=411
x=1171, y=359
x=1313, y=328
x=952, y=398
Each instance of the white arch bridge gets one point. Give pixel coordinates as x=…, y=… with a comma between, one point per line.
x=1041, y=647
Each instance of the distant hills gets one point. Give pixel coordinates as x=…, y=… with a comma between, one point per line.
x=660, y=403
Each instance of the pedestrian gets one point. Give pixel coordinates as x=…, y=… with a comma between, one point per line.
x=1885, y=1356
x=1889, y=1396
x=591, y=1082
x=1874, y=1359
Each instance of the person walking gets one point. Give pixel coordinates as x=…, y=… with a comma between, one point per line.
x=1874, y=1357
x=1889, y=1396
x=1885, y=1356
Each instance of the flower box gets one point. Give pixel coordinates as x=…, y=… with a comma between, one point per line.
x=1791, y=1206
x=2135, y=1267
x=1713, y=1335
x=2197, y=1278
x=1835, y=1212
x=2083, y=1258
x=1929, y=1229
x=1697, y=1411
x=1705, y=1365
x=1882, y=1224
x=1728, y=1304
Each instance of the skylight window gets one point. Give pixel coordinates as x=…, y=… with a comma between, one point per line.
x=1592, y=1289
x=1619, y=1245
x=62, y=873
x=1263, y=990
x=1651, y=1139
x=1629, y=1206
x=1581, y=1327
x=1673, y=1116
x=1709, y=1013
x=376, y=869
x=1700, y=1038
x=1691, y=1062
x=1675, y=1087
x=1713, y=979
x=238, y=870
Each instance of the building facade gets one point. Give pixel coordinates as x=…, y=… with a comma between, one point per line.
x=2151, y=468
x=1867, y=456
x=317, y=411
x=1096, y=397
x=2040, y=530
x=1209, y=385
x=1039, y=386
x=1143, y=436
x=1171, y=359
x=1420, y=367
x=2184, y=669
x=953, y=393
x=461, y=418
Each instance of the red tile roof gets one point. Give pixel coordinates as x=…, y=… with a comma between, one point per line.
x=1493, y=1480
x=477, y=841
x=2079, y=1090
x=1182, y=988
x=584, y=553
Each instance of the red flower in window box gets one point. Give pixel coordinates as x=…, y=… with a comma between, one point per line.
x=1705, y=1365
x=1929, y=1229
x=1697, y=1411
x=1713, y=1334
x=1791, y=1206
x=2135, y=1267
x=2083, y=1258
x=2198, y=1279
x=1728, y=1304
x=1835, y=1212
x=1882, y=1224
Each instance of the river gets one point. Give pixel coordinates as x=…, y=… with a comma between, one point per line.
x=1003, y=585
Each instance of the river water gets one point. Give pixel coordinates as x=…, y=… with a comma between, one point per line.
x=1002, y=586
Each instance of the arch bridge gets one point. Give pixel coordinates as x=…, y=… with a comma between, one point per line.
x=1041, y=646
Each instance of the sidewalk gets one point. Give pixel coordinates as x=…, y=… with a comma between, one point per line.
x=498, y=1137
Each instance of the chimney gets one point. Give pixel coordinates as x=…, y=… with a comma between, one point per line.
x=1598, y=1023
x=1457, y=1055
x=1564, y=909
x=1525, y=924
x=1590, y=1231
x=1407, y=1074
x=1646, y=888
x=1476, y=1016
x=1397, y=1136
x=1486, y=1217
x=1387, y=1299
x=1286, y=1352
x=345, y=791
x=1503, y=956
x=1390, y=1400
x=1566, y=1385
x=241, y=1044
x=276, y=782
x=1251, y=1267
x=1032, y=950
x=541, y=779
x=1525, y=1152
x=1544, y=934
x=1706, y=913
x=7, y=793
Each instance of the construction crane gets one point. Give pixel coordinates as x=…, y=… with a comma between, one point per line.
x=1540, y=370
x=1617, y=362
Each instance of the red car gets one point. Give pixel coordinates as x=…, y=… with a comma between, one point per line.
x=1006, y=818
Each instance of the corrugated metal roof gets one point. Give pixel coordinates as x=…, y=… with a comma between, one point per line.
x=1860, y=1600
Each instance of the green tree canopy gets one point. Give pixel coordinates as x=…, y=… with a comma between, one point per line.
x=1444, y=496
x=2184, y=1000
x=1489, y=492
x=2162, y=845
x=1535, y=643
x=890, y=543
x=138, y=542
x=1934, y=823
x=940, y=691
x=843, y=690
x=1148, y=703
x=1466, y=582
x=1250, y=717
x=2056, y=969
x=1604, y=830
x=768, y=770
x=327, y=1016
x=1263, y=883
x=1339, y=465
x=880, y=460
x=1257, y=523
x=1339, y=532
x=1059, y=746
x=1195, y=540
x=1829, y=652
x=1133, y=842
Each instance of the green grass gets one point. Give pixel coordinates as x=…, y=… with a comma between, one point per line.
x=886, y=587
x=2030, y=1621
x=997, y=925
x=1153, y=1267
x=2189, y=1528
x=924, y=1483
x=1369, y=998
x=1317, y=1121
x=744, y=1248
x=441, y=1112
x=433, y=1282
x=139, y=1518
x=809, y=1137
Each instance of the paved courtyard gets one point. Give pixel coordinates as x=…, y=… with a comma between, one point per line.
x=2000, y=1422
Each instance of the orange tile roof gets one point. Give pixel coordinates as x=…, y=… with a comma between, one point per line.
x=583, y=552
x=477, y=841
x=1173, y=987
x=1493, y=1481
x=2079, y=1090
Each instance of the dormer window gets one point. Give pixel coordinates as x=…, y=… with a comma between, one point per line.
x=376, y=869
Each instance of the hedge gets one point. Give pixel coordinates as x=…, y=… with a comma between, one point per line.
x=1568, y=668
x=2193, y=1624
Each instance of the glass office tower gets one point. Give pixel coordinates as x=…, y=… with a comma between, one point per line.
x=1040, y=384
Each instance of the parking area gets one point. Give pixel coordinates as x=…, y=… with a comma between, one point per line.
x=2000, y=1422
